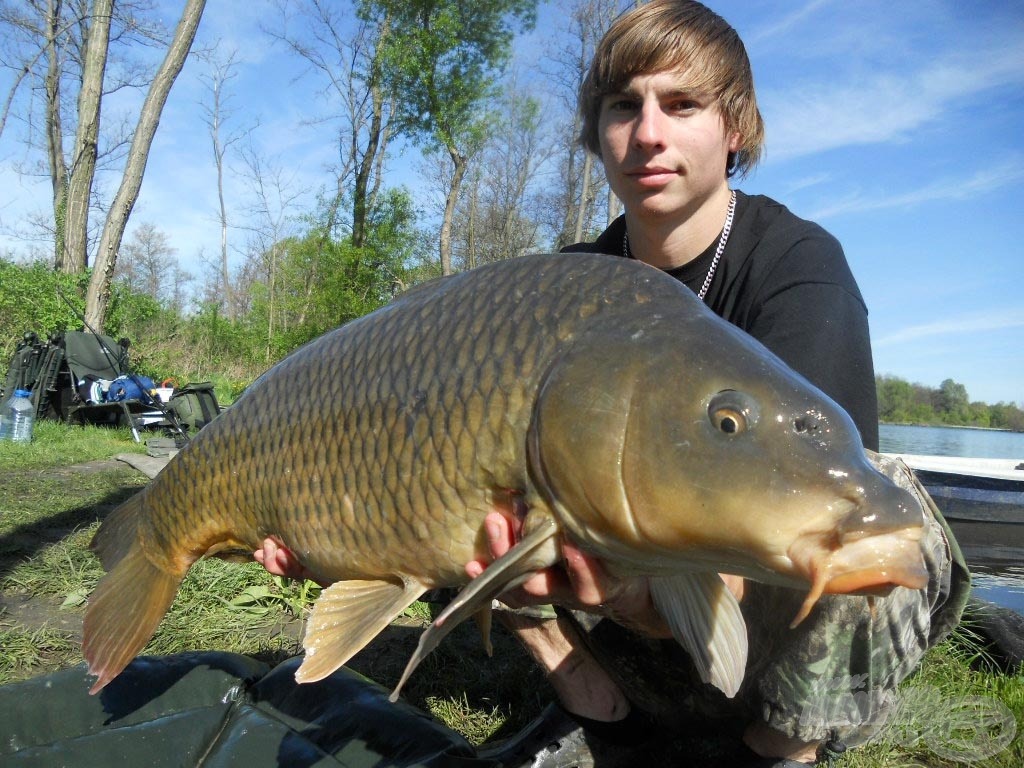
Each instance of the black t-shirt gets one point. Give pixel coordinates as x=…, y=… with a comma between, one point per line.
x=786, y=282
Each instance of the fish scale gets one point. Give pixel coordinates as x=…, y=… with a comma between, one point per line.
x=589, y=389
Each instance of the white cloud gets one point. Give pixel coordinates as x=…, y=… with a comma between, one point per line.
x=807, y=182
x=815, y=116
x=974, y=322
x=982, y=182
x=787, y=22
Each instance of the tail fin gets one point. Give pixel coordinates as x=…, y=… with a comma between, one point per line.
x=129, y=601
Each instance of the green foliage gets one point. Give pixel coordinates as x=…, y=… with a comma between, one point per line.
x=321, y=281
x=31, y=300
x=129, y=314
x=295, y=597
x=442, y=56
x=951, y=401
x=900, y=402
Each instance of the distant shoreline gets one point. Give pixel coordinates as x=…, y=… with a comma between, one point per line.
x=946, y=426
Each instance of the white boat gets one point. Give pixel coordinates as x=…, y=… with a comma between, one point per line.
x=981, y=490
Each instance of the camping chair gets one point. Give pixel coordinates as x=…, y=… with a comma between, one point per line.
x=93, y=358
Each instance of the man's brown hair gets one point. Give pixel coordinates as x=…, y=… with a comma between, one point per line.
x=677, y=36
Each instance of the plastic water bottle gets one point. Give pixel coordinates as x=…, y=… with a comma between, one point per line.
x=18, y=416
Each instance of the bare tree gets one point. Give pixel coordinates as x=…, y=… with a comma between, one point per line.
x=61, y=35
x=147, y=265
x=65, y=46
x=66, y=57
x=54, y=133
x=346, y=55
x=71, y=254
x=143, y=266
x=496, y=219
x=272, y=211
x=216, y=111
x=97, y=296
x=583, y=180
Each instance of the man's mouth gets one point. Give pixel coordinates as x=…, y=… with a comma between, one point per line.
x=653, y=177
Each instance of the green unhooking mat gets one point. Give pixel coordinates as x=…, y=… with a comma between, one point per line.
x=218, y=710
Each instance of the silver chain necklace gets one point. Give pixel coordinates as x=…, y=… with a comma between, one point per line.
x=718, y=251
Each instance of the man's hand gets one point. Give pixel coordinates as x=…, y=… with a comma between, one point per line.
x=280, y=561
x=582, y=583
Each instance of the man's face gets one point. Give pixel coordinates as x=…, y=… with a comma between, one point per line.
x=664, y=147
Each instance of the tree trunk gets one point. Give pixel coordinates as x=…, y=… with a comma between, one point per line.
x=360, y=206
x=97, y=296
x=55, y=131
x=583, y=211
x=378, y=170
x=72, y=249
x=225, y=268
x=614, y=207
x=471, y=225
x=271, y=295
x=460, y=162
x=221, y=73
x=376, y=141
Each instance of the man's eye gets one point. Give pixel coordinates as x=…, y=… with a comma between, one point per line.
x=622, y=105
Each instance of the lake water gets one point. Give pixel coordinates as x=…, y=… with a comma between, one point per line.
x=994, y=552
x=951, y=441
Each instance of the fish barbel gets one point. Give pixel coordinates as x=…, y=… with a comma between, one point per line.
x=597, y=393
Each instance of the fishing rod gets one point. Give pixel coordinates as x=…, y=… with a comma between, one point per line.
x=114, y=360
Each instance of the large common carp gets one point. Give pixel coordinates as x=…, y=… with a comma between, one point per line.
x=597, y=393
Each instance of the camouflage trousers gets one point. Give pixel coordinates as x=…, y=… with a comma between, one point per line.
x=833, y=676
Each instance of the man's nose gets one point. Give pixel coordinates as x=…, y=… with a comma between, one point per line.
x=649, y=130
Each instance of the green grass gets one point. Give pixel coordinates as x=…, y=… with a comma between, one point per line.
x=956, y=710
x=58, y=445
x=49, y=512
x=475, y=723
x=29, y=653
x=48, y=515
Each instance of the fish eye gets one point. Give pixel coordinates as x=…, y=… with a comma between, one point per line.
x=729, y=421
x=732, y=412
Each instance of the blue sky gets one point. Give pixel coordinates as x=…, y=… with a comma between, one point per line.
x=899, y=126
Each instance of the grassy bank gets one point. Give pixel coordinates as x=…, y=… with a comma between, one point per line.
x=54, y=492
x=53, y=495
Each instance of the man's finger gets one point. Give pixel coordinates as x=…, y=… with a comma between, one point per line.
x=586, y=575
x=500, y=536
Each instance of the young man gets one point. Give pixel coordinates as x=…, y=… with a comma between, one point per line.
x=669, y=107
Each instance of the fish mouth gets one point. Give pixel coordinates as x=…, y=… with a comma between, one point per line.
x=859, y=564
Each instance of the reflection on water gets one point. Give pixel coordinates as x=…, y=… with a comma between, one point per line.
x=995, y=553
x=994, y=550
x=1005, y=588
x=949, y=441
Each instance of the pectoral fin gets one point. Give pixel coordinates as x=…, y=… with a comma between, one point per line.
x=347, y=615
x=706, y=620
x=535, y=551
